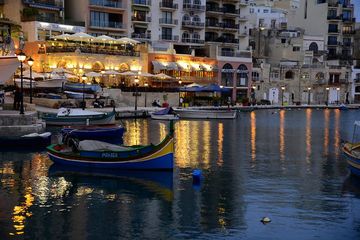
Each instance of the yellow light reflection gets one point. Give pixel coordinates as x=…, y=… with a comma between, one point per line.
x=282, y=135
x=253, y=135
x=308, y=134
x=337, y=132
x=326, y=131
x=220, y=160
x=162, y=131
x=133, y=132
x=206, y=145
x=187, y=144
x=21, y=212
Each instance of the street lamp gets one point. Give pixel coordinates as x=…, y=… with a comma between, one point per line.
x=136, y=91
x=83, y=77
x=253, y=94
x=179, y=92
x=30, y=62
x=282, y=95
x=337, y=95
x=145, y=85
x=21, y=57
x=327, y=95
x=309, y=89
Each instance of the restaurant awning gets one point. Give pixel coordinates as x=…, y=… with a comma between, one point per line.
x=158, y=66
x=172, y=66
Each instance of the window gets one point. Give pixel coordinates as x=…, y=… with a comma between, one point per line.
x=167, y=33
x=185, y=37
x=296, y=49
x=283, y=40
x=196, y=18
x=266, y=11
x=197, y=2
x=196, y=35
x=251, y=10
x=289, y=75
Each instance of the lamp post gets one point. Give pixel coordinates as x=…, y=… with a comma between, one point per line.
x=136, y=91
x=337, y=94
x=83, y=77
x=327, y=95
x=21, y=57
x=145, y=85
x=179, y=92
x=253, y=94
x=309, y=91
x=30, y=63
x=282, y=95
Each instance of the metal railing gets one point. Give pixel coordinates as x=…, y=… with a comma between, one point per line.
x=142, y=2
x=192, y=40
x=193, y=24
x=166, y=4
x=168, y=21
x=242, y=54
x=141, y=19
x=194, y=7
x=106, y=3
x=106, y=24
x=49, y=3
x=92, y=50
x=169, y=37
x=141, y=35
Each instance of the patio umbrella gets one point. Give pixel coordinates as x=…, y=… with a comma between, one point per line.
x=61, y=37
x=128, y=73
x=125, y=40
x=111, y=72
x=162, y=76
x=145, y=74
x=193, y=85
x=104, y=39
x=93, y=74
x=214, y=88
x=80, y=36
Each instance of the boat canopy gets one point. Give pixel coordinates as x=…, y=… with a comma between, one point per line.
x=93, y=145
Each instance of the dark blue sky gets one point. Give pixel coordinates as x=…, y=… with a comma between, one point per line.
x=357, y=9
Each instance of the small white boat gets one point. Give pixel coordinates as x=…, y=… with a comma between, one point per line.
x=48, y=83
x=78, y=95
x=165, y=114
x=206, y=113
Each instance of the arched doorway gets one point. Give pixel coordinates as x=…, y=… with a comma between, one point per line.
x=242, y=76
x=314, y=47
x=227, y=73
x=97, y=66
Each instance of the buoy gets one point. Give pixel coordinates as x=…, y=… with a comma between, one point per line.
x=196, y=176
x=265, y=220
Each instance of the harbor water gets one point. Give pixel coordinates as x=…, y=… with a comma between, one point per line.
x=285, y=165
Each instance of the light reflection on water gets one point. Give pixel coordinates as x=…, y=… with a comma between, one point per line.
x=282, y=164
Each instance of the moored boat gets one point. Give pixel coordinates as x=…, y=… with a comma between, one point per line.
x=165, y=114
x=33, y=141
x=352, y=153
x=80, y=87
x=79, y=95
x=206, y=113
x=73, y=116
x=95, y=154
x=107, y=133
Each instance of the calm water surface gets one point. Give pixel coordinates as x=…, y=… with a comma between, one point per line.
x=286, y=165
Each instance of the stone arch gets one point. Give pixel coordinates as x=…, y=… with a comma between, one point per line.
x=186, y=18
x=314, y=47
x=196, y=35
x=289, y=75
x=124, y=67
x=242, y=76
x=185, y=37
x=227, y=73
x=97, y=66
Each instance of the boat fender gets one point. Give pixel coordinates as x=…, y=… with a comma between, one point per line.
x=196, y=176
x=87, y=122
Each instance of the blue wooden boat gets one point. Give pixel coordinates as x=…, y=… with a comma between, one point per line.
x=80, y=87
x=73, y=116
x=352, y=153
x=33, y=141
x=107, y=133
x=95, y=154
x=79, y=95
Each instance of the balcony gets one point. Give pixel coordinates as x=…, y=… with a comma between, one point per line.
x=349, y=20
x=333, y=18
x=173, y=38
x=169, y=6
x=333, y=31
x=141, y=19
x=190, y=24
x=192, y=40
x=347, y=44
x=348, y=32
x=105, y=3
x=218, y=10
x=100, y=24
x=193, y=7
x=167, y=21
x=113, y=50
x=223, y=26
x=332, y=43
x=241, y=54
x=243, y=3
x=141, y=3
x=223, y=40
x=46, y=5
x=243, y=19
x=141, y=36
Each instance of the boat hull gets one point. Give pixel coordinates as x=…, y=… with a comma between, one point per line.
x=79, y=87
x=24, y=143
x=206, y=114
x=353, y=160
x=161, y=158
x=112, y=135
x=106, y=118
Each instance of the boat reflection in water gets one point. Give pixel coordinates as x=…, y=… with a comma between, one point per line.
x=159, y=183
